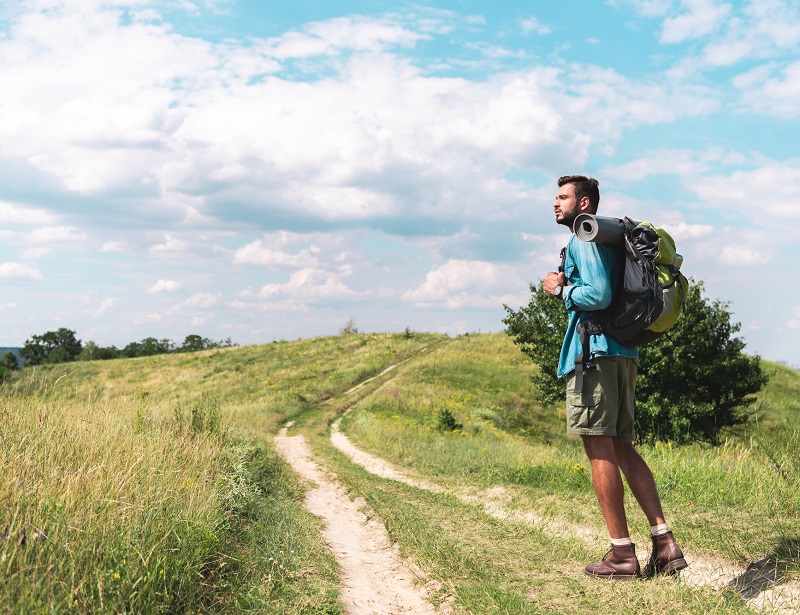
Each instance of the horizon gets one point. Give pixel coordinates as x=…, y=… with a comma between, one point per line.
x=254, y=172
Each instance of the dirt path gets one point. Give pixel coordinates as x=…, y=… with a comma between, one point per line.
x=375, y=580
x=760, y=585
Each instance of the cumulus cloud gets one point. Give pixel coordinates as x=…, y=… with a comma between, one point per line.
x=278, y=251
x=171, y=244
x=771, y=90
x=771, y=191
x=165, y=286
x=12, y=213
x=700, y=17
x=340, y=34
x=18, y=271
x=54, y=234
x=459, y=284
x=309, y=285
x=245, y=133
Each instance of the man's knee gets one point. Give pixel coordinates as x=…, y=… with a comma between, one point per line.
x=599, y=447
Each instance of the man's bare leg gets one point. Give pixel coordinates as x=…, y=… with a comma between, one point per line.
x=640, y=480
x=607, y=483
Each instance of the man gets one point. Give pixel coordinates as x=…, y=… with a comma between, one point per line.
x=602, y=412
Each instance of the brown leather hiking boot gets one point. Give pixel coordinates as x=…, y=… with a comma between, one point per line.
x=619, y=563
x=666, y=557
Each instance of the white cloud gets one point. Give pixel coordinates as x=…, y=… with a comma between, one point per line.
x=770, y=192
x=201, y=300
x=742, y=255
x=53, y=234
x=18, y=271
x=336, y=35
x=459, y=284
x=369, y=137
x=701, y=17
x=688, y=231
x=105, y=306
x=309, y=285
x=771, y=91
x=171, y=244
x=12, y=213
x=164, y=286
x=531, y=24
x=259, y=253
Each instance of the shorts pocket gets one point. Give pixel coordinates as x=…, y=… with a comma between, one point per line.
x=583, y=409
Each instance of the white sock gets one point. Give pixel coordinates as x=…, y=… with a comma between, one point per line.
x=658, y=530
x=621, y=542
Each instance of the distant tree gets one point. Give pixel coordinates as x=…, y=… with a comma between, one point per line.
x=93, y=352
x=104, y=353
x=8, y=365
x=58, y=346
x=9, y=361
x=350, y=327
x=148, y=347
x=693, y=382
x=193, y=343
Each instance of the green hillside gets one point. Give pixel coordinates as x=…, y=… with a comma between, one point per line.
x=152, y=484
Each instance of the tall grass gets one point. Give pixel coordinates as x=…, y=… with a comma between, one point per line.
x=150, y=485
x=105, y=510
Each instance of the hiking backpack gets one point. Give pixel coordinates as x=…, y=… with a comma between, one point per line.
x=650, y=294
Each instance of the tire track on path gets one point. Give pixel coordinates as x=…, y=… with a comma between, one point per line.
x=375, y=580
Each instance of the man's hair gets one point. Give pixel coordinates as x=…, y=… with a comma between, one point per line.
x=584, y=186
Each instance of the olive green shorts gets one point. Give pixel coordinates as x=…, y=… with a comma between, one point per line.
x=605, y=407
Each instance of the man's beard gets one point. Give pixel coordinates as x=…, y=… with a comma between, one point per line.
x=567, y=219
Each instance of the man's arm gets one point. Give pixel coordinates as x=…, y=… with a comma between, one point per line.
x=594, y=290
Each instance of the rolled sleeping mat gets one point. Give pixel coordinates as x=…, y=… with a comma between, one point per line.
x=589, y=227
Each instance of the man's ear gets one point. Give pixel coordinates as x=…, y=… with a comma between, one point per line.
x=585, y=205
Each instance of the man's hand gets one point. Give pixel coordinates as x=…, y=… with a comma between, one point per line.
x=552, y=279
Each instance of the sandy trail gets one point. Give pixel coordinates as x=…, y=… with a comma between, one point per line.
x=375, y=580
x=760, y=586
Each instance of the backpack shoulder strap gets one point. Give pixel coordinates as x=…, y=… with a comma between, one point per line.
x=586, y=329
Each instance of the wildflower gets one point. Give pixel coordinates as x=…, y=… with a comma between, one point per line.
x=116, y=576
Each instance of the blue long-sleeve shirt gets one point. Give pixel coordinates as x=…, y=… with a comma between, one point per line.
x=591, y=270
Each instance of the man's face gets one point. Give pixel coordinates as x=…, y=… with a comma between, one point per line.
x=567, y=206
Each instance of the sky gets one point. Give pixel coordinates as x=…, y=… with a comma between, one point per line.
x=262, y=170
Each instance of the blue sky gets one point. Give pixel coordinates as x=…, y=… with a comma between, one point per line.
x=270, y=170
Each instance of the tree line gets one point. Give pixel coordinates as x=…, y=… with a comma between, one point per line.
x=63, y=346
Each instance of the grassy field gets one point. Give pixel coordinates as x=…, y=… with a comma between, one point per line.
x=151, y=485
